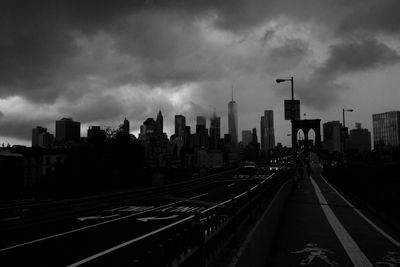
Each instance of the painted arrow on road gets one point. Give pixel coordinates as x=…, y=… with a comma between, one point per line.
x=145, y=219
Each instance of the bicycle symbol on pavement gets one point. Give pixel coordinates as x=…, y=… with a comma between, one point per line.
x=391, y=259
x=312, y=252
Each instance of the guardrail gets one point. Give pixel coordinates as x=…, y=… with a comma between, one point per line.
x=195, y=240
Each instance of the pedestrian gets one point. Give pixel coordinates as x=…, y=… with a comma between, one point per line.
x=309, y=169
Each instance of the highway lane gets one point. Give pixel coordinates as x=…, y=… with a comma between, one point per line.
x=90, y=233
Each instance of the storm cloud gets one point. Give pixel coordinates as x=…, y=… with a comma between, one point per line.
x=99, y=61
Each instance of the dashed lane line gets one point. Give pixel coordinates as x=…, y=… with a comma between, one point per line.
x=353, y=251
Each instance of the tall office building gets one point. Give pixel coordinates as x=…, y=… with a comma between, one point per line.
x=254, y=138
x=246, y=137
x=386, y=129
x=215, y=131
x=359, y=139
x=159, y=123
x=41, y=138
x=68, y=130
x=333, y=136
x=267, y=131
x=180, y=125
x=200, y=124
x=233, y=121
x=124, y=127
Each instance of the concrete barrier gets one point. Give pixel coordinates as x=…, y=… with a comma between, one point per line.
x=256, y=247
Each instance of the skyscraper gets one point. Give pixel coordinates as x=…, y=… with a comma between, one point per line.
x=35, y=135
x=246, y=137
x=159, y=123
x=333, y=136
x=267, y=131
x=386, y=129
x=233, y=121
x=68, y=130
x=215, y=131
x=124, y=128
x=180, y=124
x=200, y=124
x=254, y=138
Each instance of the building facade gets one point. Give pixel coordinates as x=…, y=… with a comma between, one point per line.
x=267, y=131
x=332, y=131
x=68, y=130
x=233, y=122
x=215, y=131
x=386, y=129
x=359, y=139
x=180, y=125
x=246, y=137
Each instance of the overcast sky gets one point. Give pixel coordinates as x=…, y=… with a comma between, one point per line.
x=101, y=61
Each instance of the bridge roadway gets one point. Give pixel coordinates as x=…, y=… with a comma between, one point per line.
x=322, y=227
x=89, y=232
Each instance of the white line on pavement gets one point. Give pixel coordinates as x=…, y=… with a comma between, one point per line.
x=93, y=225
x=353, y=251
x=394, y=241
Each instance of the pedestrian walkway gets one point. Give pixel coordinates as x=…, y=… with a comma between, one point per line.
x=320, y=227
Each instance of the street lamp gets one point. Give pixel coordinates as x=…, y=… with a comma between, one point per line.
x=348, y=110
x=291, y=110
x=287, y=80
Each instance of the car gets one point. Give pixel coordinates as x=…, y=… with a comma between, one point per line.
x=246, y=171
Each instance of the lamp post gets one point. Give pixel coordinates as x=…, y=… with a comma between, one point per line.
x=344, y=110
x=291, y=110
x=344, y=128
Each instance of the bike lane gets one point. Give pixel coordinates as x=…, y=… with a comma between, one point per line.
x=305, y=237
x=374, y=239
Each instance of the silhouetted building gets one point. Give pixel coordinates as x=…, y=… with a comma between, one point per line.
x=267, y=131
x=233, y=121
x=200, y=123
x=386, y=129
x=124, y=128
x=149, y=126
x=68, y=130
x=332, y=136
x=180, y=124
x=159, y=123
x=215, y=131
x=359, y=139
x=254, y=138
x=41, y=138
x=96, y=135
x=246, y=137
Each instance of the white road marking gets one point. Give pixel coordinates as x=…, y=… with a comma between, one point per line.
x=394, y=241
x=10, y=219
x=155, y=218
x=97, y=217
x=229, y=185
x=91, y=226
x=353, y=251
x=127, y=243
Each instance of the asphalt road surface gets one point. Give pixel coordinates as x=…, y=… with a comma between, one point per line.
x=91, y=232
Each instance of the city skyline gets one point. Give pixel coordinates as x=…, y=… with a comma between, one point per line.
x=99, y=67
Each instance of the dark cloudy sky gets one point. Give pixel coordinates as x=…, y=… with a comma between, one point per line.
x=101, y=61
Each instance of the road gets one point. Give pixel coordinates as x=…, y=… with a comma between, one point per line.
x=90, y=232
